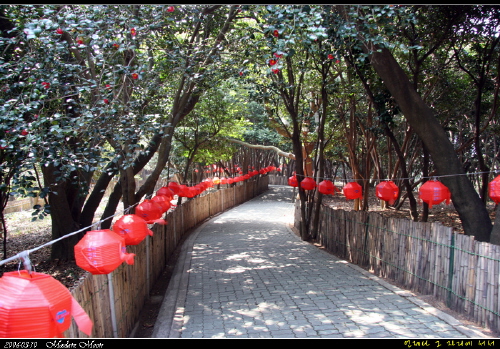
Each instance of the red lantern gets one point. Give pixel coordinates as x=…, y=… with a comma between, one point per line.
x=165, y=191
x=327, y=187
x=150, y=211
x=494, y=189
x=190, y=192
x=132, y=228
x=308, y=183
x=163, y=201
x=174, y=186
x=216, y=180
x=434, y=192
x=292, y=181
x=387, y=191
x=35, y=305
x=101, y=252
x=223, y=180
x=353, y=190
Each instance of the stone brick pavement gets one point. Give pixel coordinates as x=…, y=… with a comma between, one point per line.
x=245, y=274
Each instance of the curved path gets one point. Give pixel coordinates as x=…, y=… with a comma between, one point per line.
x=245, y=274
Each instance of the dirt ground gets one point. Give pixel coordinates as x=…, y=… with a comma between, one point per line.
x=25, y=235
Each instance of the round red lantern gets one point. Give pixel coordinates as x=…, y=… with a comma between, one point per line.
x=353, y=190
x=132, y=228
x=101, y=252
x=387, y=191
x=216, y=180
x=163, y=201
x=494, y=189
x=190, y=192
x=292, y=181
x=223, y=180
x=327, y=187
x=434, y=192
x=35, y=305
x=308, y=183
x=150, y=211
x=174, y=186
x=165, y=191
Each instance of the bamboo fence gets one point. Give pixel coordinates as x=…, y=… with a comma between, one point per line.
x=114, y=301
x=428, y=258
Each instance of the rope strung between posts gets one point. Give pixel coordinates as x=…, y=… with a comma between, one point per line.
x=24, y=255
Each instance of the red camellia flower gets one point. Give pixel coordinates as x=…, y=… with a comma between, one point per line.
x=272, y=62
x=276, y=33
x=132, y=31
x=79, y=41
x=106, y=100
x=135, y=76
x=170, y=9
x=59, y=31
x=108, y=86
x=24, y=132
x=116, y=45
x=46, y=85
x=277, y=55
x=241, y=73
x=330, y=56
x=276, y=71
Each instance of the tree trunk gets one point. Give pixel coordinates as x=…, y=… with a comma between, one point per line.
x=472, y=212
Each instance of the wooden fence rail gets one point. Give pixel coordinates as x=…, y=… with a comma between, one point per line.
x=428, y=258
x=114, y=301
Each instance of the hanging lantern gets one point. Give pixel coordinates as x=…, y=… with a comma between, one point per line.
x=223, y=180
x=35, y=305
x=387, y=191
x=132, y=228
x=183, y=191
x=174, y=186
x=101, y=252
x=434, y=192
x=292, y=181
x=308, y=183
x=353, y=190
x=163, y=201
x=494, y=189
x=187, y=192
x=165, y=191
x=327, y=187
x=150, y=211
x=216, y=180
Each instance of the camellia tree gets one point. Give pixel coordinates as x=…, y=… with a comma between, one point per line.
x=89, y=86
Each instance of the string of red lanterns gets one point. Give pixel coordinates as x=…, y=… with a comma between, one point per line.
x=35, y=305
x=432, y=192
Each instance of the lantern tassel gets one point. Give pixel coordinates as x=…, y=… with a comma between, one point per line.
x=81, y=318
x=129, y=258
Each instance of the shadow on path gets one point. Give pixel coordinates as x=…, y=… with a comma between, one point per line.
x=244, y=274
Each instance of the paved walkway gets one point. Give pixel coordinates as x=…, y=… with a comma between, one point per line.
x=244, y=274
